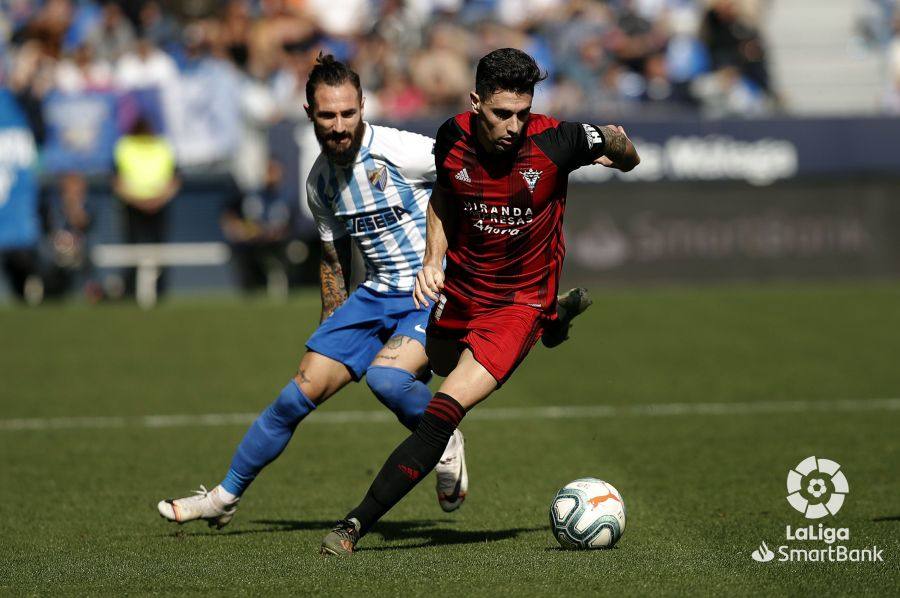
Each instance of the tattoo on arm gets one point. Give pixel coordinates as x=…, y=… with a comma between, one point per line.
x=334, y=274
x=616, y=143
x=619, y=149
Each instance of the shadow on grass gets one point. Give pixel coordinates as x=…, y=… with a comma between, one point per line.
x=593, y=550
x=429, y=532
x=430, y=535
x=887, y=518
x=271, y=526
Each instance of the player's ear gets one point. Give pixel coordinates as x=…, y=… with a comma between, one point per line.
x=476, y=102
x=308, y=110
x=362, y=105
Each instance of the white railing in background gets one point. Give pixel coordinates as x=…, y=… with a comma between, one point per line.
x=150, y=258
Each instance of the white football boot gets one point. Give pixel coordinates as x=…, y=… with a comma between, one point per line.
x=208, y=505
x=452, y=478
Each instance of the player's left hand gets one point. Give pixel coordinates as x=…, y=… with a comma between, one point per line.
x=429, y=283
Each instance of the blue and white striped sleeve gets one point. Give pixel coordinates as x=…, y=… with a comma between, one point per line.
x=330, y=226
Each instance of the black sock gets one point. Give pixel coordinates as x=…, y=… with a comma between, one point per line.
x=411, y=461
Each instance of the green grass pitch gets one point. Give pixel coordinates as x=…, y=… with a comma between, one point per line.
x=703, y=486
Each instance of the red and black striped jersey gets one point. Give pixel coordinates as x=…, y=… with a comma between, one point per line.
x=508, y=244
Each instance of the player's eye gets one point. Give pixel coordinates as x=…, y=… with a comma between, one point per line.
x=348, y=113
x=502, y=114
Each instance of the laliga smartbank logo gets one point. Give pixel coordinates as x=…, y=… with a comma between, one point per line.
x=817, y=488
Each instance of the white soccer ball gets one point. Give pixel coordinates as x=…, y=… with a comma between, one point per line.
x=587, y=513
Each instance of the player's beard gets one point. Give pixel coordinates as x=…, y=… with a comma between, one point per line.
x=341, y=156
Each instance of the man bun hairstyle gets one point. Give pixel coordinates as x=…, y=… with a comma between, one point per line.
x=331, y=72
x=507, y=69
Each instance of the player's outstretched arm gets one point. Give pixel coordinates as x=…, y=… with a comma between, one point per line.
x=334, y=274
x=438, y=227
x=619, y=152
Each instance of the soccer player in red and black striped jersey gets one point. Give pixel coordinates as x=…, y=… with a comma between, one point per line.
x=496, y=216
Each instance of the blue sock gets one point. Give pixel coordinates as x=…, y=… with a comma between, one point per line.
x=267, y=437
x=401, y=392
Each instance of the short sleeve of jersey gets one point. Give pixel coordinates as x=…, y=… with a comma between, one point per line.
x=572, y=145
x=409, y=153
x=446, y=138
x=329, y=226
x=418, y=164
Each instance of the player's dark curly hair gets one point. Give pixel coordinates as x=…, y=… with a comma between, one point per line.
x=331, y=72
x=507, y=69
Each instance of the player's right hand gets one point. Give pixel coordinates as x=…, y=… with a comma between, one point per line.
x=429, y=283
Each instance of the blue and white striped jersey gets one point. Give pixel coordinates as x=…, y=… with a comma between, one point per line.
x=381, y=201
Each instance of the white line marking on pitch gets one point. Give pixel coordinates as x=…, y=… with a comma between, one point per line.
x=485, y=414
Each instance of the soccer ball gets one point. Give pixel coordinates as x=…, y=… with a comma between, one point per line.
x=587, y=513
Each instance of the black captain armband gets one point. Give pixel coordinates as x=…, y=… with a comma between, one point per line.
x=595, y=140
x=573, y=144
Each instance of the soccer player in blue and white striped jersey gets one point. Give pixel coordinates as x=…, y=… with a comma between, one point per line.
x=370, y=185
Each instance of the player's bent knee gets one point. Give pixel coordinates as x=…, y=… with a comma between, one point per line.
x=315, y=392
x=392, y=387
x=291, y=405
x=319, y=376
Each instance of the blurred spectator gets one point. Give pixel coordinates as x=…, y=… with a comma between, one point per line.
x=113, y=35
x=19, y=222
x=159, y=27
x=634, y=38
x=82, y=72
x=235, y=31
x=259, y=111
x=203, y=110
x=727, y=93
x=20, y=265
x=48, y=26
x=31, y=78
x=341, y=18
x=401, y=27
x=733, y=41
x=399, y=98
x=257, y=226
x=146, y=181
x=67, y=220
x=442, y=70
x=146, y=66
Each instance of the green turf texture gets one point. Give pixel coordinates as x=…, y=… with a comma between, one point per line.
x=77, y=506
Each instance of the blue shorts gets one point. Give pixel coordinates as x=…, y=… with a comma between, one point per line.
x=358, y=329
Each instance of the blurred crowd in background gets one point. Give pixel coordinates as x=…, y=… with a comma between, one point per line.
x=415, y=57
x=140, y=91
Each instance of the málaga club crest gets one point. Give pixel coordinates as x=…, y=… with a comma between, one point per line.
x=378, y=177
